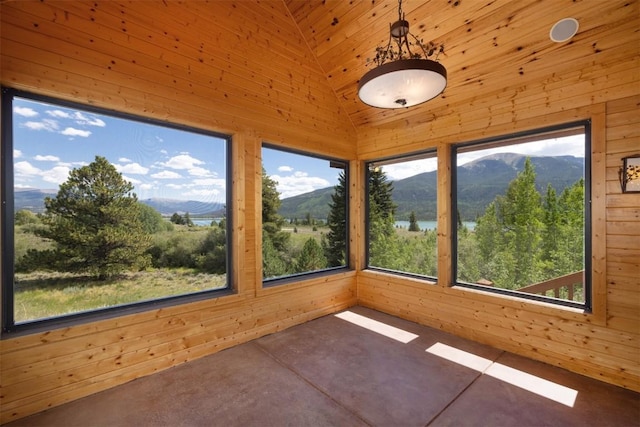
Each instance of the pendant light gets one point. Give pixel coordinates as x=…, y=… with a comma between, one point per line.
x=403, y=78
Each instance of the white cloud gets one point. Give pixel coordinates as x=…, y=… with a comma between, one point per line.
x=285, y=169
x=176, y=186
x=183, y=161
x=25, y=169
x=569, y=145
x=200, y=172
x=166, y=175
x=74, y=164
x=17, y=154
x=124, y=160
x=78, y=117
x=134, y=168
x=49, y=125
x=406, y=169
x=59, y=114
x=131, y=180
x=76, y=132
x=46, y=158
x=25, y=111
x=298, y=183
x=213, y=182
x=57, y=175
x=83, y=119
x=146, y=187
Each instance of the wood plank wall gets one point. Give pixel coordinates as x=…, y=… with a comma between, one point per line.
x=138, y=57
x=602, y=85
x=219, y=67
x=605, y=344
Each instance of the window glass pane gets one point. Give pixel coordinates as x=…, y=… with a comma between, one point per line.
x=304, y=213
x=402, y=214
x=521, y=212
x=112, y=211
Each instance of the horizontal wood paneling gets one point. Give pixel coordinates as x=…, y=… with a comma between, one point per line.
x=215, y=66
x=263, y=85
x=286, y=72
x=607, y=349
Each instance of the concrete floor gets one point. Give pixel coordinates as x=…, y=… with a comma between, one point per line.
x=332, y=372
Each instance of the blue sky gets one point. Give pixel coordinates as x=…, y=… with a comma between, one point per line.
x=162, y=162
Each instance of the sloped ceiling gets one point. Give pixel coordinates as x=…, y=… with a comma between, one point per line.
x=494, y=49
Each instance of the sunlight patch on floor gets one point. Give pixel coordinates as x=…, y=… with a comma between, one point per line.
x=378, y=327
x=548, y=389
x=460, y=357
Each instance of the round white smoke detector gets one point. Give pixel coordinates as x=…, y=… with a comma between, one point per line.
x=563, y=30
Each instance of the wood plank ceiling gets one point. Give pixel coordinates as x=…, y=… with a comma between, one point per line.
x=499, y=47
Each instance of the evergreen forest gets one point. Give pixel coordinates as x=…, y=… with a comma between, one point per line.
x=95, y=233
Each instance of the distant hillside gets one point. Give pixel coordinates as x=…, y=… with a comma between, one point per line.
x=316, y=203
x=168, y=207
x=480, y=182
x=33, y=200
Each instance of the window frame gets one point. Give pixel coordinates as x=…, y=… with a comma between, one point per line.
x=296, y=277
x=521, y=137
x=424, y=154
x=9, y=327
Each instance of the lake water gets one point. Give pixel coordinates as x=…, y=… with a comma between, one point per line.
x=204, y=222
x=424, y=225
x=431, y=225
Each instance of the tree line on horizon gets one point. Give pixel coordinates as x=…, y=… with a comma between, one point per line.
x=96, y=226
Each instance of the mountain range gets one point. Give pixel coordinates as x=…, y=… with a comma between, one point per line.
x=33, y=199
x=479, y=182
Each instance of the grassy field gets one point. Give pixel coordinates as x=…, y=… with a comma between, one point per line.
x=40, y=295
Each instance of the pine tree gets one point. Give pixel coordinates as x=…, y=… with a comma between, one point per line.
x=509, y=233
x=176, y=218
x=275, y=242
x=187, y=220
x=152, y=221
x=521, y=213
x=413, y=223
x=335, y=245
x=571, y=204
x=551, y=235
x=311, y=258
x=95, y=223
x=382, y=236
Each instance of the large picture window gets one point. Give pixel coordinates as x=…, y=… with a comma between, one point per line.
x=402, y=214
x=304, y=214
x=103, y=211
x=521, y=206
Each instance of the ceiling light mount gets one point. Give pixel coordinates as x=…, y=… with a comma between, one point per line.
x=564, y=30
x=403, y=78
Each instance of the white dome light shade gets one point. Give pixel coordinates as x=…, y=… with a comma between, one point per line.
x=403, y=83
